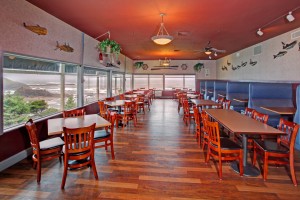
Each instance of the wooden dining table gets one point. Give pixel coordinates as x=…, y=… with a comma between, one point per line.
x=244, y=125
x=203, y=102
x=281, y=110
x=55, y=126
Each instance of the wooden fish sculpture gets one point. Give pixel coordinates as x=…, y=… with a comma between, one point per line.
x=65, y=47
x=36, y=29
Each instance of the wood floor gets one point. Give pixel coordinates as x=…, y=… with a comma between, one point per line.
x=158, y=159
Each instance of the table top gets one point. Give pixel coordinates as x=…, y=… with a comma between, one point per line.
x=238, y=123
x=281, y=110
x=55, y=126
x=241, y=100
x=116, y=103
x=203, y=102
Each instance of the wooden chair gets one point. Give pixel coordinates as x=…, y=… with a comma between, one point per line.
x=102, y=109
x=73, y=113
x=110, y=99
x=220, y=101
x=147, y=101
x=249, y=112
x=122, y=96
x=223, y=149
x=79, y=150
x=226, y=104
x=260, y=117
x=140, y=103
x=280, y=152
x=106, y=135
x=197, y=118
x=129, y=113
x=204, y=134
x=45, y=150
x=187, y=113
x=181, y=97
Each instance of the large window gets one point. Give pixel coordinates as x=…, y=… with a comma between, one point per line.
x=140, y=81
x=95, y=85
x=128, y=82
x=189, y=82
x=117, y=84
x=35, y=88
x=173, y=81
x=156, y=81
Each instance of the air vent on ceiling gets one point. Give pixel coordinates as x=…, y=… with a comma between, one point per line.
x=183, y=33
x=257, y=50
x=295, y=34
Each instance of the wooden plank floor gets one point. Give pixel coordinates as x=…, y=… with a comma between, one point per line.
x=158, y=159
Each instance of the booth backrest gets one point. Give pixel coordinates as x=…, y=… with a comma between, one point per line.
x=297, y=117
x=272, y=95
x=237, y=90
x=209, y=86
x=219, y=88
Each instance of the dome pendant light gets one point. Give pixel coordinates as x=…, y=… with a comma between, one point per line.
x=162, y=36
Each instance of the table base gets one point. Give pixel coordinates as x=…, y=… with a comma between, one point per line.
x=249, y=170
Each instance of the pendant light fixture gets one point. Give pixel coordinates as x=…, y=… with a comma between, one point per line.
x=162, y=36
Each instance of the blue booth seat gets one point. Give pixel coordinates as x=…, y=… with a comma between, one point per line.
x=297, y=117
x=237, y=90
x=270, y=95
x=219, y=88
x=209, y=86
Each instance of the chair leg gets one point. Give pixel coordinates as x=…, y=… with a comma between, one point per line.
x=241, y=163
x=112, y=150
x=292, y=170
x=254, y=155
x=34, y=164
x=220, y=168
x=207, y=155
x=39, y=171
x=105, y=145
x=63, y=182
x=94, y=167
x=265, y=173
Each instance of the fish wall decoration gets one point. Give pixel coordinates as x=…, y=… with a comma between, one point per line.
x=233, y=68
x=36, y=29
x=281, y=53
x=289, y=46
x=243, y=64
x=252, y=63
x=228, y=63
x=65, y=47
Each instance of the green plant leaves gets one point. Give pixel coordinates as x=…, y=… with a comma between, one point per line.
x=198, y=67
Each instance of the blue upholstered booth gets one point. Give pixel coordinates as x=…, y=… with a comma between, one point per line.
x=272, y=95
x=297, y=117
x=219, y=88
x=209, y=89
x=237, y=90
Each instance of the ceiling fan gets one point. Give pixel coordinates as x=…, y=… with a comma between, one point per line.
x=164, y=64
x=208, y=50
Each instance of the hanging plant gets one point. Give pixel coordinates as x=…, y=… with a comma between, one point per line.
x=198, y=67
x=109, y=46
x=138, y=64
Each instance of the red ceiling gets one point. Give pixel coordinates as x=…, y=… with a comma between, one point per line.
x=228, y=24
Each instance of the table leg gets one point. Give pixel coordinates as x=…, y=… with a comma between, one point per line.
x=249, y=169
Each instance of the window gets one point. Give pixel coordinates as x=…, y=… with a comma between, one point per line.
x=173, y=81
x=95, y=85
x=128, y=82
x=140, y=81
x=34, y=88
x=117, y=84
x=189, y=82
x=156, y=81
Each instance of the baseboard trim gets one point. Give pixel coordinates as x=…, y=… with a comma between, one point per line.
x=15, y=158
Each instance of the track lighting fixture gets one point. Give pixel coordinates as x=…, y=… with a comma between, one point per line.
x=259, y=32
x=290, y=17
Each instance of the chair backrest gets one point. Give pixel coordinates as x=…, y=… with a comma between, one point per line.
x=73, y=113
x=186, y=107
x=79, y=140
x=226, y=104
x=110, y=99
x=291, y=130
x=196, y=115
x=102, y=108
x=122, y=97
x=213, y=133
x=129, y=107
x=249, y=112
x=204, y=118
x=260, y=117
x=33, y=135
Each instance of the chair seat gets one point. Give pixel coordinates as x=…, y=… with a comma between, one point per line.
x=51, y=143
x=271, y=146
x=227, y=144
x=101, y=134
